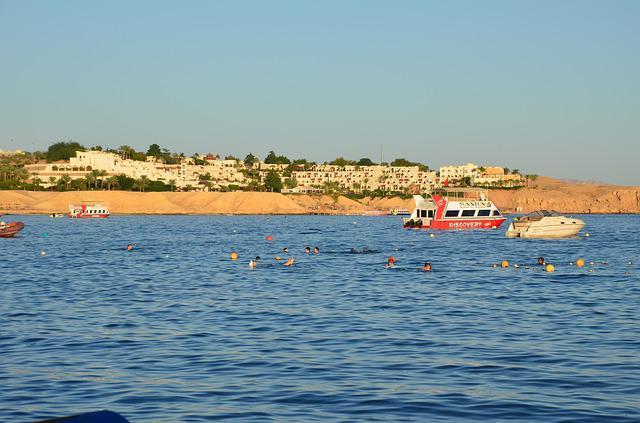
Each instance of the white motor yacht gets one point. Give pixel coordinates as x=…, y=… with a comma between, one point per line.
x=544, y=224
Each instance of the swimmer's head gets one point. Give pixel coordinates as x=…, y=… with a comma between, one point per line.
x=427, y=266
x=540, y=260
x=307, y=250
x=129, y=247
x=316, y=250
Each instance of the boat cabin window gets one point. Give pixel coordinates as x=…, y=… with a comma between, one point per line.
x=452, y=213
x=468, y=213
x=423, y=213
x=484, y=213
x=430, y=214
x=496, y=213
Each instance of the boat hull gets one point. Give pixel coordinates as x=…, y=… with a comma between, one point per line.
x=458, y=224
x=545, y=231
x=11, y=229
x=89, y=216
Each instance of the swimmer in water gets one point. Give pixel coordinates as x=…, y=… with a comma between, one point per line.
x=541, y=261
x=391, y=261
x=289, y=262
x=316, y=250
x=254, y=263
x=427, y=266
x=307, y=250
x=285, y=250
x=129, y=247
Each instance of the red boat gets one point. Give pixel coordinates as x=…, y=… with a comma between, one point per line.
x=462, y=208
x=9, y=230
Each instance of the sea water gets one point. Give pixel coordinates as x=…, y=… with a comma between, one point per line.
x=176, y=331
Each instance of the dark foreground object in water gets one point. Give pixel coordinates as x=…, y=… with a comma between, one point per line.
x=103, y=416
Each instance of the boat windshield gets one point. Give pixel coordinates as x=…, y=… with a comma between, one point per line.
x=539, y=214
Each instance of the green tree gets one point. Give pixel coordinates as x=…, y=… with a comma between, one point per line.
x=172, y=184
x=78, y=184
x=341, y=161
x=273, y=182
x=365, y=161
x=53, y=181
x=273, y=159
x=141, y=183
x=90, y=179
x=126, y=151
x=63, y=150
x=64, y=181
x=36, y=182
x=404, y=162
x=290, y=182
x=112, y=182
x=250, y=160
x=154, y=150
x=125, y=182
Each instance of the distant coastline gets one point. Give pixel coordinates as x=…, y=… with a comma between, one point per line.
x=547, y=194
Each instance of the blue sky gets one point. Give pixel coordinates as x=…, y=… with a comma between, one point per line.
x=549, y=87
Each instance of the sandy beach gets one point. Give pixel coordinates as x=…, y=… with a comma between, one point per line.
x=548, y=194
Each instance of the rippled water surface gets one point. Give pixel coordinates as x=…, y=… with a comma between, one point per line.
x=175, y=331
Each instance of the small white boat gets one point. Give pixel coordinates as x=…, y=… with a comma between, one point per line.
x=57, y=215
x=544, y=224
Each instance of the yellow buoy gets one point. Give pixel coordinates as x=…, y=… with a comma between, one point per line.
x=549, y=268
x=504, y=264
x=234, y=256
x=580, y=263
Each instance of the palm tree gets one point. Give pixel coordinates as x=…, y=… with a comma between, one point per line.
x=52, y=182
x=91, y=178
x=78, y=184
x=36, y=183
x=112, y=182
x=172, y=184
x=100, y=174
x=141, y=183
x=65, y=180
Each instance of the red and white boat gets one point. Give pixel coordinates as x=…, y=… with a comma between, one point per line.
x=89, y=211
x=459, y=208
x=9, y=230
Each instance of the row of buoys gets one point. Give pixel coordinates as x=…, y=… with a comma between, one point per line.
x=548, y=267
x=580, y=263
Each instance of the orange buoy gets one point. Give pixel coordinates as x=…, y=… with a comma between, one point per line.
x=269, y=238
x=549, y=268
x=580, y=263
x=234, y=256
x=504, y=264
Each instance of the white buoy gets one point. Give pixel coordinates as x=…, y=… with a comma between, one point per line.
x=431, y=236
x=43, y=253
x=587, y=234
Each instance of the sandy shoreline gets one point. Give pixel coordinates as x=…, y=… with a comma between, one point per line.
x=548, y=194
